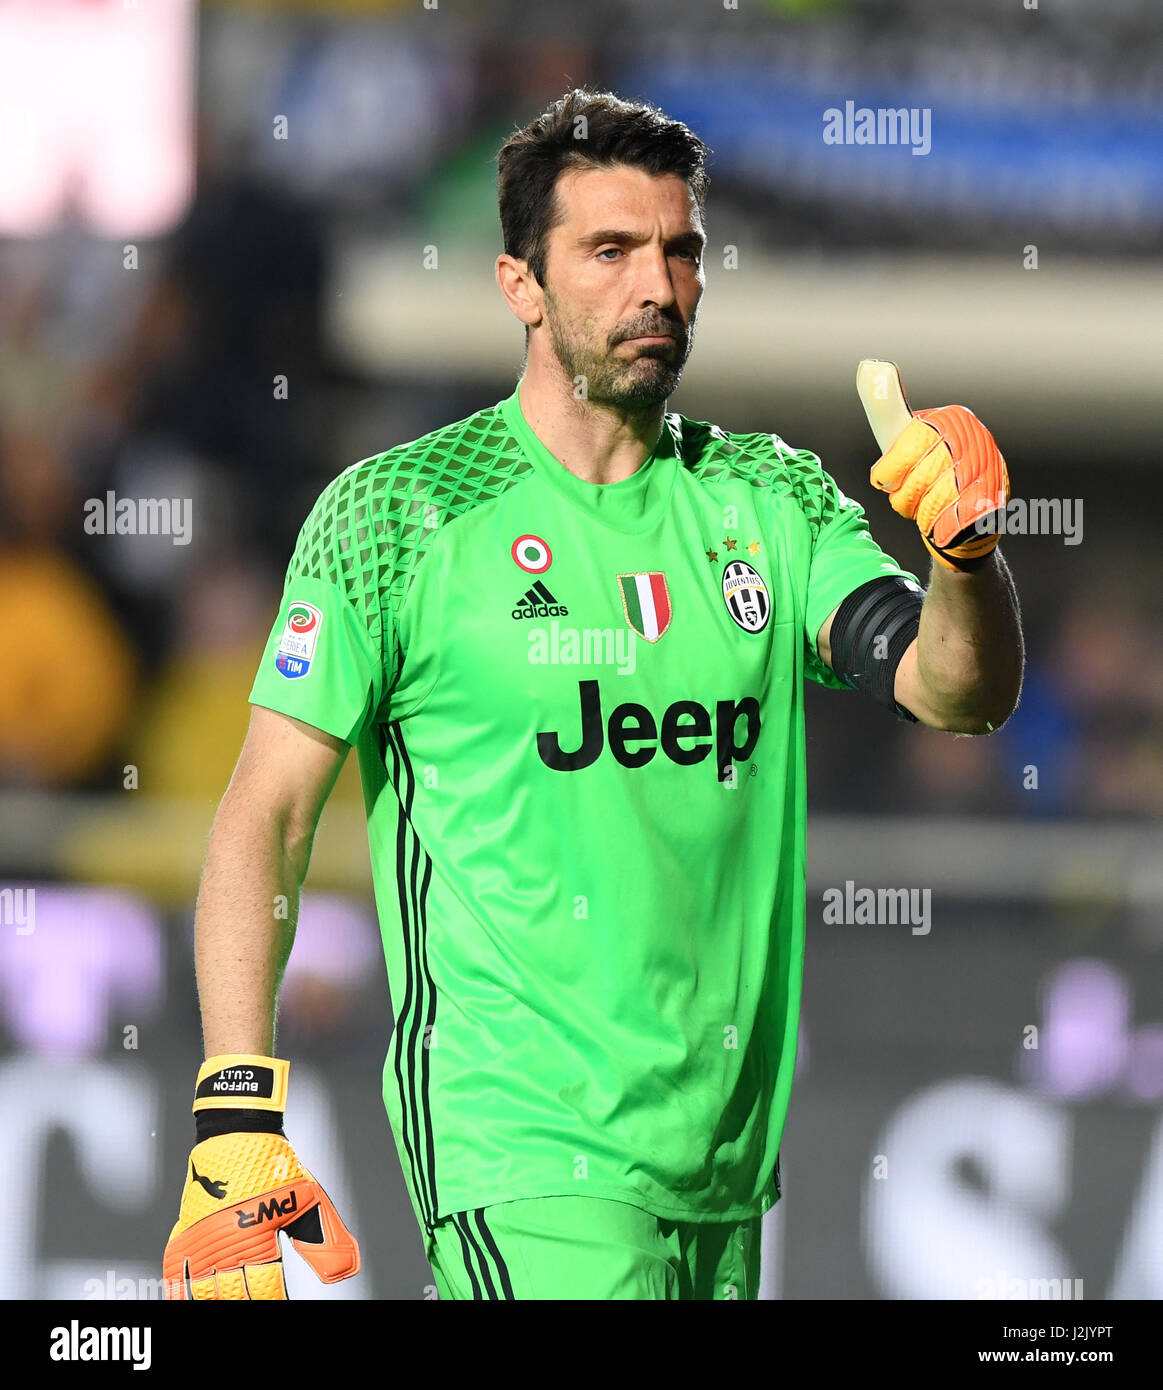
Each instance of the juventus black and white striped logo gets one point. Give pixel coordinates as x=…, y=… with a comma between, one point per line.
x=746, y=596
x=538, y=602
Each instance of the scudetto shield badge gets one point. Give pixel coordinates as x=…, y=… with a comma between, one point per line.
x=646, y=603
x=746, y=596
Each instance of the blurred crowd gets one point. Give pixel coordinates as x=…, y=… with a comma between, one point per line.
x=159, y=380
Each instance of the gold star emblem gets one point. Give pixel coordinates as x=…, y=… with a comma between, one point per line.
x=730, y=543
x=712, y=555
x=753, y=547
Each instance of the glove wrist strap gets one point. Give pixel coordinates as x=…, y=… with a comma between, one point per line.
x=240, y=1093
x=242, y=1081
x=967, y=564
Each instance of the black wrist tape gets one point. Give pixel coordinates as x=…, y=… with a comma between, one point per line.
x=871, y=631
x=209, y=1123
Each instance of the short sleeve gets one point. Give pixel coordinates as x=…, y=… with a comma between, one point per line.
x=844, y=556
x=324, y=660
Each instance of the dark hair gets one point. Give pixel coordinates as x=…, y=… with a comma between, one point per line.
x=585, y=129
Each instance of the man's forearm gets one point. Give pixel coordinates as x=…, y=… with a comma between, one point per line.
x=970, y=652
x=248, y=905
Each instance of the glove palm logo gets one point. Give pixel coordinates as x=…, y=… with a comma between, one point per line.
x=215, y=1189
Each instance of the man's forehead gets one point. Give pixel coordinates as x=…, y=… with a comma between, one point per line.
x=585, y=193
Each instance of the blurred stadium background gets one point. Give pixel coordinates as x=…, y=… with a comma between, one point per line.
x=245, y=244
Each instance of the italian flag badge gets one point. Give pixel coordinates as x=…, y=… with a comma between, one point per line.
x=646, y=603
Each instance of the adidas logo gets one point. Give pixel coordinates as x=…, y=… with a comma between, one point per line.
x=538, y=602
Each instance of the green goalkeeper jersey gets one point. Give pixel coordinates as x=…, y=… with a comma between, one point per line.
x=578, y=710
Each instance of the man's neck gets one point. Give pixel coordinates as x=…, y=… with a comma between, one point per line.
x=597, y=443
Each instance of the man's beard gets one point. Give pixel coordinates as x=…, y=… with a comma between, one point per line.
x=624, y=382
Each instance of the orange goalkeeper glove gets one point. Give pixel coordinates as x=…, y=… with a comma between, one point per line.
x=941, y=468
x=245, y=1184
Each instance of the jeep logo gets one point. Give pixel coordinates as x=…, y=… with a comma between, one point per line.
x=634, y=736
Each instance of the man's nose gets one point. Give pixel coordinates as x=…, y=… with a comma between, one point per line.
x=654, y=285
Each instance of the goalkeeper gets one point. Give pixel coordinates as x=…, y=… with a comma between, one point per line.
x=590, y=881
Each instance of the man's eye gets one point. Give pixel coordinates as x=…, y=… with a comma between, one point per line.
x=610, y=251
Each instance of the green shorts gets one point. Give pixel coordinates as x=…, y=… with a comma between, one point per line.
x=590, y=1248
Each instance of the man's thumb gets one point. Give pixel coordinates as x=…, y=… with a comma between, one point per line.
x=882, y=394
x=322, y=1239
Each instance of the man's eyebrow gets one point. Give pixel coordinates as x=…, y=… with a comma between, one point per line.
x=691, y=238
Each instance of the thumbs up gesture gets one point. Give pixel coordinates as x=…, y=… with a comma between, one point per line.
x=940, y=467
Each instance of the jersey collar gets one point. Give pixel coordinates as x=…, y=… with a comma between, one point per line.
x=633, y=505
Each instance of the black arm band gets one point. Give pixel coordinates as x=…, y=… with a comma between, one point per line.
x=870, y=633
x=209, y=1123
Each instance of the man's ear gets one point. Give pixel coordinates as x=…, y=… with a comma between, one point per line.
x=522, y=293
